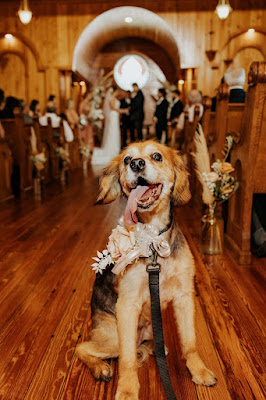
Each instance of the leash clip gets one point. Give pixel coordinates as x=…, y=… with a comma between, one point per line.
x=153, y=266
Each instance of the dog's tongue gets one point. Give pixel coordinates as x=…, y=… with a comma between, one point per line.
x=131, y=208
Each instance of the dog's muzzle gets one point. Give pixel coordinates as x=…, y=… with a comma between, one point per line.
x=137, y=164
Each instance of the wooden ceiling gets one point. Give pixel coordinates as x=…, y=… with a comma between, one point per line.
x=52, y=7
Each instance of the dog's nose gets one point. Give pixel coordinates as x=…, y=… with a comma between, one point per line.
x=138, y=164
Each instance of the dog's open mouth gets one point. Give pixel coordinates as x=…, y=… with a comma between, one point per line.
x=142, y=196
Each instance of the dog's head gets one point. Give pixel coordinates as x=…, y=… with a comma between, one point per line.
x=149, y=174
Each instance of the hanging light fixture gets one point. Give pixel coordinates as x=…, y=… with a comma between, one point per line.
x=24, y=12
x=223, y=9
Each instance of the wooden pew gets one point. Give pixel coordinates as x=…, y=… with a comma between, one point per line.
x=19, y=143
x=6, y=162
x=226, y=120
x=49, y=142
x=248, y=159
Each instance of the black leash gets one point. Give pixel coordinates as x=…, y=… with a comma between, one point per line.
x=153, y=268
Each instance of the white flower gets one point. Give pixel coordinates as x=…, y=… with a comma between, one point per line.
x=102, y=261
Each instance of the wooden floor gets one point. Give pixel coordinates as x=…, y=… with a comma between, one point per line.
x=45, y=290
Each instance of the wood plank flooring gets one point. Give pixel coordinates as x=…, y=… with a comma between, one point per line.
x=45, y=289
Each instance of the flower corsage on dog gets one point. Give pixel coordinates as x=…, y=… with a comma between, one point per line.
x=129, y=243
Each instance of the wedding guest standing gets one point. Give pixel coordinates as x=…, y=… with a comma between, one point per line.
x=125, y=118
x=85, y=128
x=2, y=105
x=71, y=114
x=160, y=115
x=136, y=112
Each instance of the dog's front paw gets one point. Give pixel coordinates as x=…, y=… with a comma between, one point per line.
x=200, y=374
x=128, y=389
x=126, y=395
x=204, y=377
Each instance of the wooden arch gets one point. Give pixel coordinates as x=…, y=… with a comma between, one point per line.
x=30, y=46
x=111, y=26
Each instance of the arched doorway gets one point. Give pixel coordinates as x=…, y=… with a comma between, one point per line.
x=127, y=29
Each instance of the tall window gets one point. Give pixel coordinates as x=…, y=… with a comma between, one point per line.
x=129, y=69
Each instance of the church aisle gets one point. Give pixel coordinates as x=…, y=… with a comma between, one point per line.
x=46, y=284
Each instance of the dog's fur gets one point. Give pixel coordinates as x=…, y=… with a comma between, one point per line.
x=121, y=304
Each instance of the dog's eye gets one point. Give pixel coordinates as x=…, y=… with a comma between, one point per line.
x=127, y=160
x=157, y=157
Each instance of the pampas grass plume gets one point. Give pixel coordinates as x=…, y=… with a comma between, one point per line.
x=202, y=161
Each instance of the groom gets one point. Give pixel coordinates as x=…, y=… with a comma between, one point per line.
x=136, y=113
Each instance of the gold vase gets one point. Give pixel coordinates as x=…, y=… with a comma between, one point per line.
x=211, y=238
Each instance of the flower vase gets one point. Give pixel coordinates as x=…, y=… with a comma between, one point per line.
x=211, y=239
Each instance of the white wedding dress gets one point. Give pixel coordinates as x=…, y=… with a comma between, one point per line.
x=111, y=143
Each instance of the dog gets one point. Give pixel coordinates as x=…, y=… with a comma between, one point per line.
x=121, y=317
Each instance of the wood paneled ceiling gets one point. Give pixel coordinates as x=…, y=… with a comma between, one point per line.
x=52, y=7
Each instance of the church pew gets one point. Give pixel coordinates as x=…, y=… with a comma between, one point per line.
x=5, y=170
x=248, y=159
x=19, y=143
x=227, y=119
x=49, y=142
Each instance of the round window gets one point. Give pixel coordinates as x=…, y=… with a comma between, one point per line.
x=130, y=69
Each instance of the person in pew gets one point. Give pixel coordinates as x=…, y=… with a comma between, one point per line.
x=160, y=115
x=55, y=122
x=2, y=105
x=35, y=110
x=194, y=98
x=235, y=78
x=71, y=114
x=174, y=111
x=12, y=108
x=52, y=101
x=25, y=112
x=69, y=137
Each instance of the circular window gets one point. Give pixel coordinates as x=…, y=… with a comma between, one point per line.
x=130, y=69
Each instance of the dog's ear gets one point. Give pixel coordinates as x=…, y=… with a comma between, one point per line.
x=181, y=193
x=110, y=187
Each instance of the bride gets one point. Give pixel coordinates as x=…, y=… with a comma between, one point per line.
x=111, y=142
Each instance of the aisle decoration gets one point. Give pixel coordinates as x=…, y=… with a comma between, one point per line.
x=127, y=244
x=218, y=185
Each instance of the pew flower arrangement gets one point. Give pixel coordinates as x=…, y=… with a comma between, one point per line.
x=38, y=160
x=63, y=156
x=218, y=186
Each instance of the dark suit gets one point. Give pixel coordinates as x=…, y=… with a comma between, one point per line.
x=237, y=96
x=161, y=115
x=136, y=115
x=125, y=119
x=176, y=110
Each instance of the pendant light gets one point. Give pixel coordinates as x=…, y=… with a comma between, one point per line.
x=223, y=9
x=24, y=12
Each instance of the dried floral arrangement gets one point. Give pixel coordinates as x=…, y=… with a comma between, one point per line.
x=217, y=182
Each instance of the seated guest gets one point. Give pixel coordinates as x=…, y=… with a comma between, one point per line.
x=2, y=105
x=25, y=111
x=35, y=109
x=160, y=115
x=52, y=100
x=71, y=114
x=194, y=99
x=50, y=113
x=55, y=122
x=235, y=78
x=12, y=108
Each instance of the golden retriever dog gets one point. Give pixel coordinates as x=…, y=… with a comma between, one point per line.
x=121, y=317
